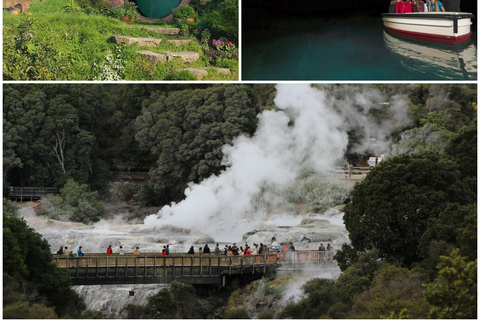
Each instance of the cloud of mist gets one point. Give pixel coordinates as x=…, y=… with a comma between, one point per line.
x=308, y=134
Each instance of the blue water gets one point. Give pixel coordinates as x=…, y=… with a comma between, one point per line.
x=359, y=51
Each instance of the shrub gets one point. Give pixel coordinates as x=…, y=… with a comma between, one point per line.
x=182, y=13
x=126, y=9
x=27, y=59
x=237, y=313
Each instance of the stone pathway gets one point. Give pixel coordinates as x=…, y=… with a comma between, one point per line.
x=156, y=57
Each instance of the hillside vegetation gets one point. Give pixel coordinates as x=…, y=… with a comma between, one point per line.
x=71, y=40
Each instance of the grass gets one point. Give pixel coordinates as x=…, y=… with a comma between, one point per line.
x=78, y=43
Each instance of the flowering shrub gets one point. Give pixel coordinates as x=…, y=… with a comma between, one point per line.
x=228, y=48
x=112, y=67
x=118, y=11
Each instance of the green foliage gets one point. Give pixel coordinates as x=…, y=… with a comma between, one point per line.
x=454, y=292
x=228, y=20
x=132, y=311
x=176, y=302
x=51, y=133
x=75, y=203
x=9, y=208
x=394, y=292
x=359, y=276
x=126, y=9
x=41, y=275
x=462, y=149
x=182, y=13
x=396, y=201
x=323, y=299
x=186, y=131
x=267, y=314
x=25, y=310
x=316, y=193
x=237, y=313
x=27, y=58
x=346, y=256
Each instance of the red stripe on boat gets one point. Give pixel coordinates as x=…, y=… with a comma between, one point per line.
x=431, y=37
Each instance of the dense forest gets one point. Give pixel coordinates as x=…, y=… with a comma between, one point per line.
x=412, y=221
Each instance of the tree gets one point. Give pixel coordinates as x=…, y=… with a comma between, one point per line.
x=176, y=302
x=454, y=292
x=394, y=292
x=75, y=203
x=31, y=253
x=391, y=207
x=186, y=131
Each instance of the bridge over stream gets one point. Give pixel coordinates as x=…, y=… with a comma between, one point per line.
x=99, y=269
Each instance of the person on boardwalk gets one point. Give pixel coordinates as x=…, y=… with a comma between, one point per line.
x=60, y=251
x=254, y=249
x=329, y=252
x=164, y=252
x=137, y=250
x=291, y=247
x=321, y=254
x=66, y=251
x=80, y=252
x=167, y=250
x=191, y=251
x=217, y=249
x=121, y=251
x=109, y=250
x=200, y=251
x=235, y=249
x=206, y=249
x=247, y=251
x=70, y=254
x=260, y=249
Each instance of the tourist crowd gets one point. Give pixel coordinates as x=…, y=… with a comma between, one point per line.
x=404, y=6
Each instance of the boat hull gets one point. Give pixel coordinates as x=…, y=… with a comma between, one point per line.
x=441, y=27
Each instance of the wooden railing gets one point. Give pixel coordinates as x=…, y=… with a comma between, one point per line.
x=29, y=193
x=350, y=172
x=154, y=268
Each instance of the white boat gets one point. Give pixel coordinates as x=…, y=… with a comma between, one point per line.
x=442, y=27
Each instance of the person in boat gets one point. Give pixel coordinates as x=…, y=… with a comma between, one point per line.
x=403, y=7
x=421, y=6
x=435, y=6
x=393, y=5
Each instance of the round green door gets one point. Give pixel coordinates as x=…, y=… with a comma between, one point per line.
x=157, y=8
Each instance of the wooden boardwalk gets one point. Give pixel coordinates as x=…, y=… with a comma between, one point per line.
x=29, y=193
x=194, y=269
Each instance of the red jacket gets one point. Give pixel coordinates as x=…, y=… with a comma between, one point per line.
x=164, y=253
x=403, y=7
x=109, y=250
x=248, y=252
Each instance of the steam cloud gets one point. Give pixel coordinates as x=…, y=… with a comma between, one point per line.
x=308, y=134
